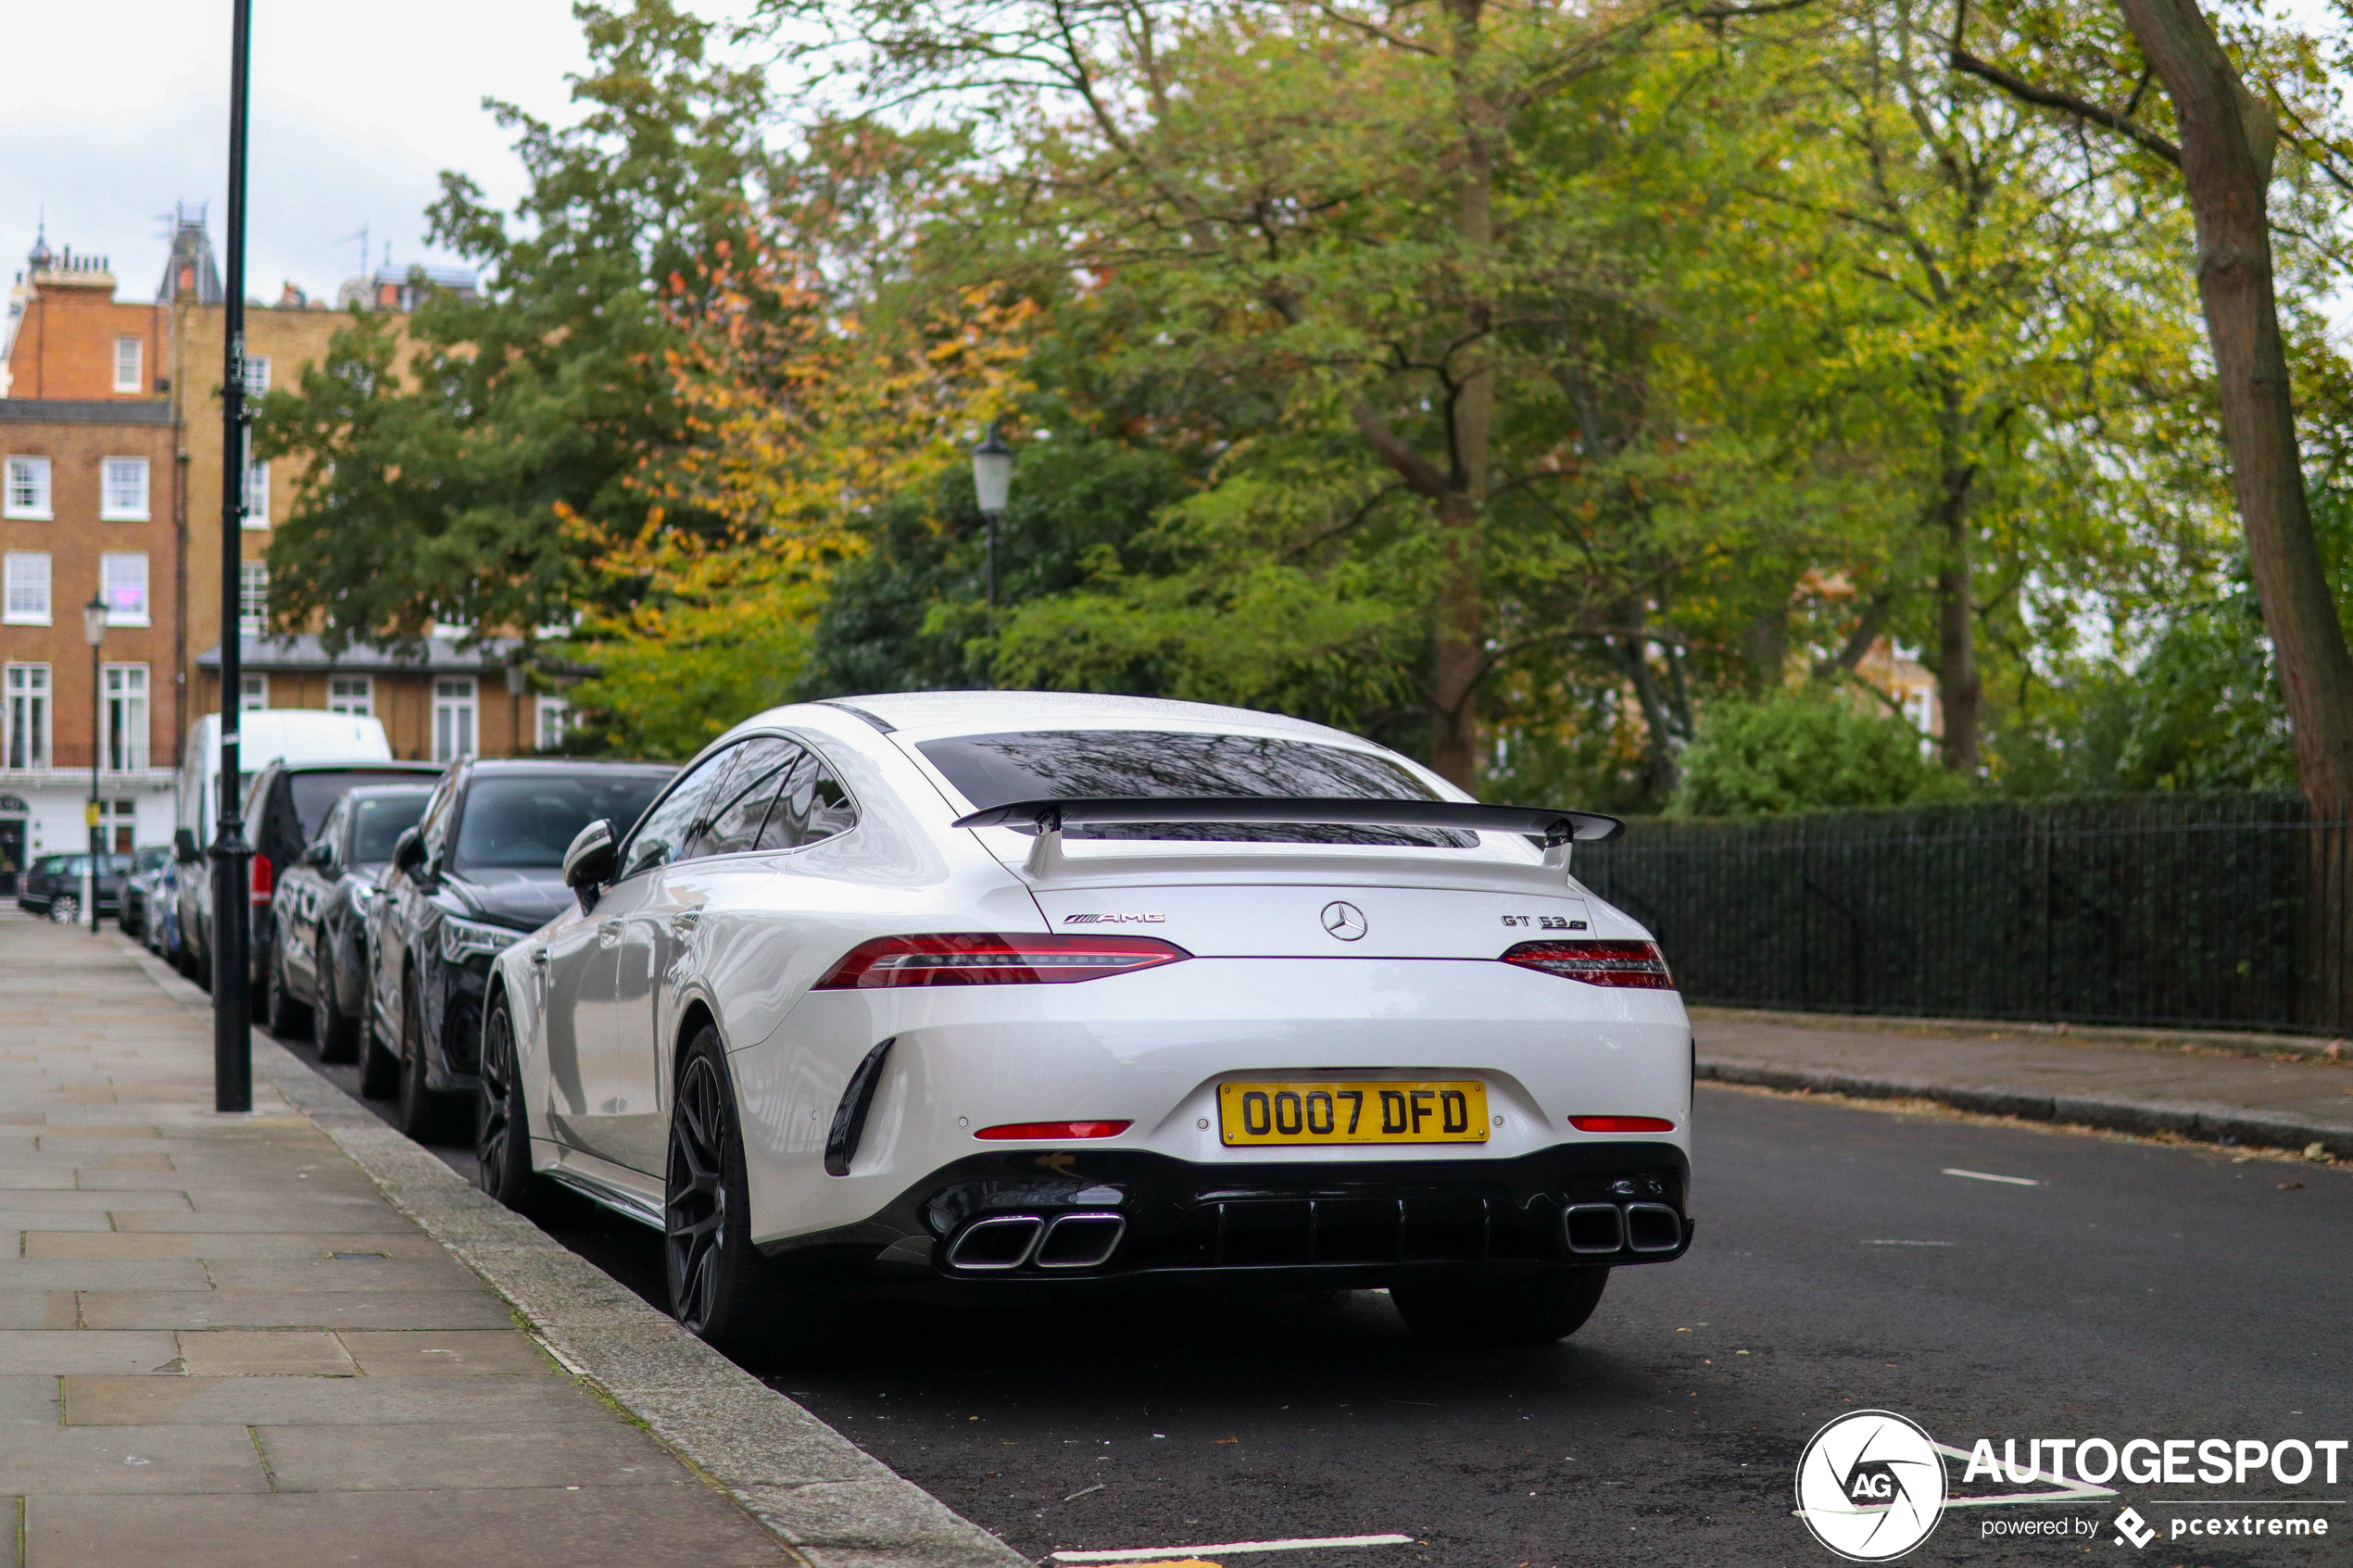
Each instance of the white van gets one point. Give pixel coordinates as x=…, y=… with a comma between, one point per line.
x=265, y=735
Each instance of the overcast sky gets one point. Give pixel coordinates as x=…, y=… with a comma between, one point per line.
x=113, y=114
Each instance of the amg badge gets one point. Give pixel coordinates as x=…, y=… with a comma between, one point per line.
x=1113, y=920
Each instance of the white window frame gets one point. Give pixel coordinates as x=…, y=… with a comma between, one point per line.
x=253, y=693
x=255, y=495
x=256, y=375
x=24, y=489
x=354, y=695
x=253, y=575
x=130, y=365
x=26, y=705
x=116, y=569
x=457, y=717
x=551, y=719
x=126, y=720
x=122, y=490
x=17, y=576
x=119, y=821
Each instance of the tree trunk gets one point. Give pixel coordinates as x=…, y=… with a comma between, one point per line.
x=1462, y=512
x=2227, y=142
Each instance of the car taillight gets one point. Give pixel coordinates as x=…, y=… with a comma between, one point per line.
x=987, y=959
x=1635, y=964
x=1056, y=1131
x=1621, y=1124
x=261, y=880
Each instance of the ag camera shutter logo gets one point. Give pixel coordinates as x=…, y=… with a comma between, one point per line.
x=1870, y=1486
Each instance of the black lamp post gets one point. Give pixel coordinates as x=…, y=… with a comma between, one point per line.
x=94, y=630
x=517, y=680
x=232, y=856
x=993, y=483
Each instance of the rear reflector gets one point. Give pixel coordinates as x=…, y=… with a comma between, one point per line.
x=1635, y=964
x=1621, y=1124
x=1054, y=1130
x=988, y=959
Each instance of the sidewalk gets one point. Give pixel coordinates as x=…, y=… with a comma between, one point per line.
x=240, y=1342
x=2044, y=1077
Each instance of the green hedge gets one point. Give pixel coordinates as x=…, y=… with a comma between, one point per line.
x=2193, y=911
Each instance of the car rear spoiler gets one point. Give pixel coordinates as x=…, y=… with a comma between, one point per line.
x=1552, y=828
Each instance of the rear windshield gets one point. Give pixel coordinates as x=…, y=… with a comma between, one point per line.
x=379, y=819
x=526, y=822
x=315, y=794
x=1156, y=764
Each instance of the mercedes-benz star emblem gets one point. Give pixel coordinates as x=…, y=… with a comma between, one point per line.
x=1344, y=921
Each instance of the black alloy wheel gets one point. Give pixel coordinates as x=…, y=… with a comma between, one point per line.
x=1472, y=1311
x=338, y=1031
x=281, y=1014
x=423, y=1110
x=502, y=1120
x=720, y=1286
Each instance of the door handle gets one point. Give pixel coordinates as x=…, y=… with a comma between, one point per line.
x=539, y=957
x=607, y=931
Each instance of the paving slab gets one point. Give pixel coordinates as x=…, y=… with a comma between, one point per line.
x=466, y=1354
x=323, y=1309
x=276, y=1353
x=676, y=1526
x=55, y=1352
x=418, y=1456
x=113, y=1461
x=539, y=1402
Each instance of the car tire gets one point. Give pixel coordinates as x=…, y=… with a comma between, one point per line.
x=502, y=1120
x=338, y=1031
x=379, y=1068
x=1500, y=1311
x=284, y=1016
x=424, y=1113
x=722, y=1292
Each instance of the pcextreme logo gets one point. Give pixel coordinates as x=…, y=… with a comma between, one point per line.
x=1870, y=1486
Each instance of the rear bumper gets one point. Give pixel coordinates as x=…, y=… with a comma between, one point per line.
x=1312, y=1225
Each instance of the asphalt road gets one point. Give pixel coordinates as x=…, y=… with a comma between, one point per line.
x=2136, y=1291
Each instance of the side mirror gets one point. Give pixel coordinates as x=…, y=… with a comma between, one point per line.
x=409, y=850
x=320, y=854
x=589, y=861
x=183, y=847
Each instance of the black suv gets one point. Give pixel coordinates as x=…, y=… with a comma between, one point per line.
x=53, y=885
x=484, y=866
x=317, y=972
x=284, y=805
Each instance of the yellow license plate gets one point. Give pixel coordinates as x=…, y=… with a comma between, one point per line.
x=1335, y=1113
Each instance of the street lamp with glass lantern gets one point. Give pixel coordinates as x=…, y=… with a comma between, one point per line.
x=993, y=482
x=94, y=630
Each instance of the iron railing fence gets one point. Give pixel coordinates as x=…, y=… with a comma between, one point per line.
x=2186, y=910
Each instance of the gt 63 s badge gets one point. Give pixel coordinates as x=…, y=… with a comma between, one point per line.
x=1870, y=1486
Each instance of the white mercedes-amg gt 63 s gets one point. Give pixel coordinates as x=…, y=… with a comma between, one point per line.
x=1022, y=991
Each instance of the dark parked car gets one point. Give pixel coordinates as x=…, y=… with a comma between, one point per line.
x=52, y=885
x=316, y=971
x=138, y=894
x=284, y=805
x=483, y=867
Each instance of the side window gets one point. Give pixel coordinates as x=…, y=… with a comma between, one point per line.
x=741, y=802
x=812, y=805
x=665, y=830
x=433, y=827
x=332, y=829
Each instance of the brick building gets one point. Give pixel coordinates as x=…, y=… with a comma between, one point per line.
x=88, y=494
x=110, y=461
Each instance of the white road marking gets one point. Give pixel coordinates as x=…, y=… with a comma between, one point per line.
x=1145, y=1554
x=1911, y=1243
x=1989, y=1177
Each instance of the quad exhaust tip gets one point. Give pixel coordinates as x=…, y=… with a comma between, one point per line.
x=1597, y=1229
x=1004, y=1242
